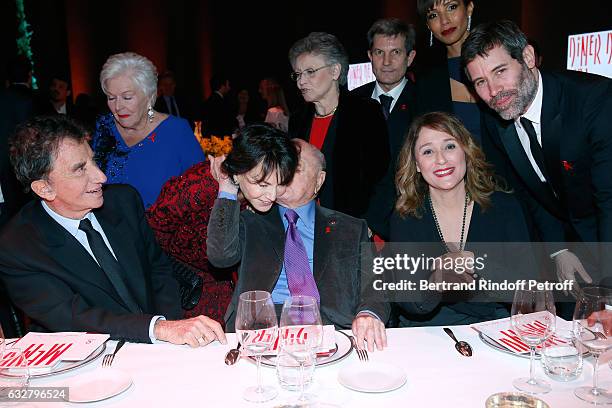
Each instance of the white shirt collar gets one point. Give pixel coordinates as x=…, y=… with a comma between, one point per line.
x=71, y=225
x=534, y=113
x=394, y=93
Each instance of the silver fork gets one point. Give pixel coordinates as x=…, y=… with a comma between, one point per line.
x=598, y=335
x=108, y=359
x=362, y=354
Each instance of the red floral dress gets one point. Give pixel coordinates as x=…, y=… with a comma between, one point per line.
x=179, y=219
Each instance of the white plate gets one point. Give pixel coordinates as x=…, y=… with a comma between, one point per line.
x=370, y=376
x=343, y=349
x=98, y=385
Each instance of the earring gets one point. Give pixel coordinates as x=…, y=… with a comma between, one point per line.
x=469, y=23
x=430, y=38
x=150, y=114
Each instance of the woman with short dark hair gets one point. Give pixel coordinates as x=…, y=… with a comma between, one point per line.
x=441, y=83
x=262, y=160
x=349, y=130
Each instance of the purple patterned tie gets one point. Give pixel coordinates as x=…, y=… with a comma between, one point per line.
x=297, y=268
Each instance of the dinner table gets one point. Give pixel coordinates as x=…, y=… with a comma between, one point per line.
x=437, y=375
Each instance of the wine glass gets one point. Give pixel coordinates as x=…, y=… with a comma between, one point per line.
x=592, y=328
x=301, y=333
x=533, y=319
x=2, y=341
x=256, y=327
x=17, y=376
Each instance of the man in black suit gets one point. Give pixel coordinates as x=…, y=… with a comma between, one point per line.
x=332, y=240
x=83, y=258
x=60, y=96
x=17, y=104
x=552, y=135
x=391, y=51
x=218, y=116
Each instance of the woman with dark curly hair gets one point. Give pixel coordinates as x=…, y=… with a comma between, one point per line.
x=449, y=195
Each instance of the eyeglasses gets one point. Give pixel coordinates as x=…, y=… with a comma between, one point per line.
x=308, y=73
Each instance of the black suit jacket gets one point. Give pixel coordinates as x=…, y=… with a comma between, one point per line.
x=54, y=280
x=398, y=123
x=219, y=118
x=257, y=241
x=356, y=150
x=576, y=124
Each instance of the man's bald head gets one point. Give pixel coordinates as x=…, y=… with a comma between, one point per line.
x=308, y=178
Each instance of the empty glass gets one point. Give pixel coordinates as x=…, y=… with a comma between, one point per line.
x=288, y=371
x=256, y=327
x=301, y=334
x=562, y=356
x=2, y=341
x=533, y=318
x=592, y=321
x=17, y=375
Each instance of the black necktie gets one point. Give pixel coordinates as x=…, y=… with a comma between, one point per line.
x=534, y=146
x=108, y=263
x=386, y=101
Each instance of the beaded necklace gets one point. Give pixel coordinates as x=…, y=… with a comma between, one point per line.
x=433, y=211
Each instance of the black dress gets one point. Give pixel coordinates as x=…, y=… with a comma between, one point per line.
x=502, y=222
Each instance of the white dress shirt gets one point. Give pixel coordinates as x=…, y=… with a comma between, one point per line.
x=533, y=114
x=394, y=93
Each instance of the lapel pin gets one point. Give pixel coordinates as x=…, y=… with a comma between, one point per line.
x=567, y=165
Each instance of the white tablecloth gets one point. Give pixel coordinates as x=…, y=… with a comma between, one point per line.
x=438, y=376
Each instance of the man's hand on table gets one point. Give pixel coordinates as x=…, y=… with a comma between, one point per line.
x=604, y=317
x=372, y=330
x=197, y=331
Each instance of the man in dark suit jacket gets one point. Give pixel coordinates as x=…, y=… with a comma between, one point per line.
x=218, y=117
x=553, y=134
x=83, y=258
x=391, y=51
x=59, y=97
x=258, y=240
x=17, y=104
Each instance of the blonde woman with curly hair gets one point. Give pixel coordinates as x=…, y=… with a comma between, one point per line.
x=447, y=194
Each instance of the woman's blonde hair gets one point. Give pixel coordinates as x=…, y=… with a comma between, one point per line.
x=480, y=181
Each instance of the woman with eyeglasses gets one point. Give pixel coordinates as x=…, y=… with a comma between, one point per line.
x=350, y=131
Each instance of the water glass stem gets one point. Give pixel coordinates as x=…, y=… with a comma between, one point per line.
x=301, y=382
x=532, y=379
x=259, y=387
x=595, y=391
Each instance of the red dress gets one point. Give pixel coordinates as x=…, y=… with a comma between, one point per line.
x=179, y=219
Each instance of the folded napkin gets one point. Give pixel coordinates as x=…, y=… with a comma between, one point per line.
x=297, y=333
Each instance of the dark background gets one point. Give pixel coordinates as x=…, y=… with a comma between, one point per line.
x=248, y=40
